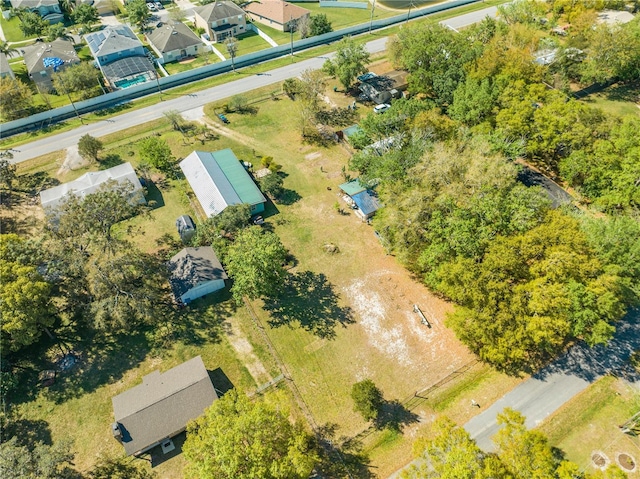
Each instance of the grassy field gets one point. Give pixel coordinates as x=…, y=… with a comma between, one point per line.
x=619, y=99
x=348, y=315
x=276, y=35
x=204, y=58
x=11, y=30
x=347, y=17
x=589, y=423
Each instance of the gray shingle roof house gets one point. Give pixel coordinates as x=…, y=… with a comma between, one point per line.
x=5, y=68
x=220, y=19
x=44, y=59
x=90, y=183
x=49, y=10
x=276, y=14
x=195, y=272
x=121, y=56
x=219, y=180
x=174, y=41
x=160, y=407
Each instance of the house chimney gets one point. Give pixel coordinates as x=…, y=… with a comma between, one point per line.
x=117, y=434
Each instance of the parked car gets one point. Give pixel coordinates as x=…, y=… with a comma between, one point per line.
x=186, y=228
x=152, y=7
x=381, y=108
x=159, y=5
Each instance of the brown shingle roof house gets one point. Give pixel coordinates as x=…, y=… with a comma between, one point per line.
x=277, y=14
x=160, y=408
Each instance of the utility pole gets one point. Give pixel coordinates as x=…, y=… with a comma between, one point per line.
x=291, y=34
x=69, y=96
x=409, y=12
x=373, y=7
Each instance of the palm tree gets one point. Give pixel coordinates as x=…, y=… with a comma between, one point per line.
x=7, y=49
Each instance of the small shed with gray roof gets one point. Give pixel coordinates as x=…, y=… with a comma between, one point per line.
x=174, y=41
x=45, y=59
x=160, y=408
x=195, y=272
x=219, y=180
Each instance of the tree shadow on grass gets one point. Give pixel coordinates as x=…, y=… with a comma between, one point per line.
x=203, y=321
x=309, y=300
x=103, y=358
x=340, y=456
x=110, y=160
x=154, y=196
x=288, y=197
x=28, y=432
x=394, y=416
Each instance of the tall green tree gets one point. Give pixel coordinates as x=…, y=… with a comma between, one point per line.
x=32, y=24
x=350, y=60
x=531, y=293
x=89, y=147
x=525, y=453
x=7, y=49
x=255, y=262
x=85, y=15
x=155, y=152
x=25, y=297
x=16, y=98
x=319, y=24
x=57, y=31
x=82, y=78
x=436, y=59
x=241, y=439
x=367, y=399
x=138, y=13
x=452, y=454
x=36, y=461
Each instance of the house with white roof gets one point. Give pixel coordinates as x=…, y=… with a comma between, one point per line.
x=90, y=183
x=219, y=179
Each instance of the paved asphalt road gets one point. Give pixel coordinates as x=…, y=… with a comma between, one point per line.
x=185, y=104
x=549, y=389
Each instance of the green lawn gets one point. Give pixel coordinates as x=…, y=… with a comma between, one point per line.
x=619, y=99
x=202, y=59
x=347, y=17
x=589, y=422
x=11, y=30
x=276, y=35
x=248, y=43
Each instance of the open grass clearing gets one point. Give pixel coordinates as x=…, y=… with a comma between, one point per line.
x=276, y=35
x=204, y=58
x=11, y=30
x=355, y=320
x=346, y=17
x=618, y=99
x=590, y=422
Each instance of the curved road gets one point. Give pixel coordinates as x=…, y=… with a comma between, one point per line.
x=185, y=104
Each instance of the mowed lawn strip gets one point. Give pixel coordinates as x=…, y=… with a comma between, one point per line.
x=590, y=422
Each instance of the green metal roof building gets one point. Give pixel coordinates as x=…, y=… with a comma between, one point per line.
x=219, y=180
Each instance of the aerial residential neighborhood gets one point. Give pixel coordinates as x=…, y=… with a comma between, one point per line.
x=320, y=239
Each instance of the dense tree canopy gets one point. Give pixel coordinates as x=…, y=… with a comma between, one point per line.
x=350, y=60
x=255, y=262
x=16, y=98
x=25, y=296
x=156, y=152
x=319, y=24
x=82, y=78
x=242, y=439
x=138, y=13
x=89, y=147
x=520, y=454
